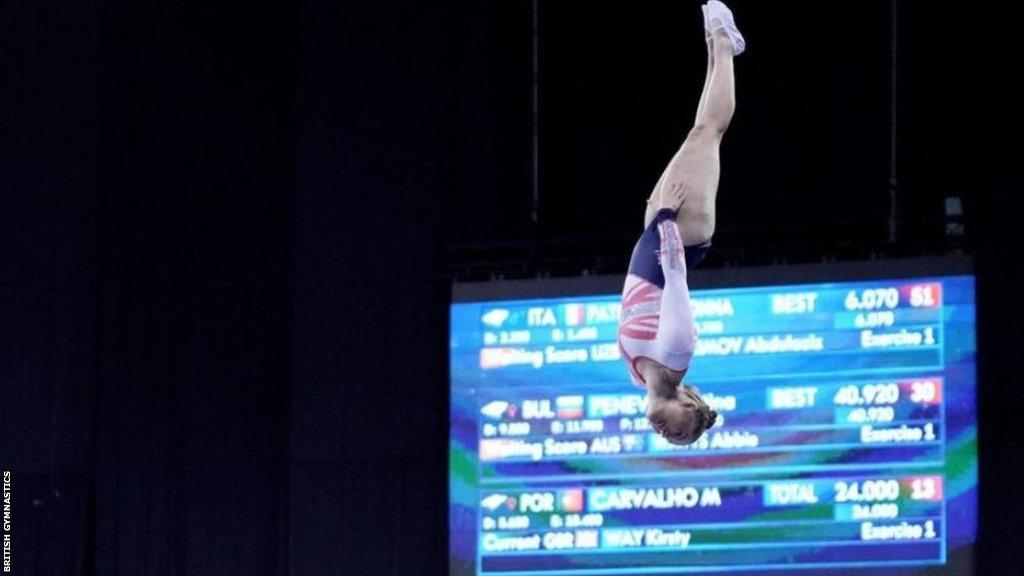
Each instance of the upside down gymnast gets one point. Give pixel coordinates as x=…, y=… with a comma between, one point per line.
x=656, y=331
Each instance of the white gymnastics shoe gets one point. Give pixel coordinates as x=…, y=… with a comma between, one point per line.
x=718, y=11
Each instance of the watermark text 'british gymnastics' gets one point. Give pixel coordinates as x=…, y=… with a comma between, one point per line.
x=7, y=521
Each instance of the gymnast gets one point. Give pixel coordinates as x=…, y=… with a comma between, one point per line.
x=656, y=331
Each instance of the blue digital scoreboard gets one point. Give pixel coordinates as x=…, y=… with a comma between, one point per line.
x=846, y=440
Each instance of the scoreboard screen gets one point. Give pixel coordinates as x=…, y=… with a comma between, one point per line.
x=846, y=440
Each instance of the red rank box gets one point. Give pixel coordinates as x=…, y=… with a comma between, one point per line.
x=922, y=295
x=927, y=391
x=922, y=488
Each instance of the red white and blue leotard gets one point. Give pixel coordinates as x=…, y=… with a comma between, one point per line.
x=656, y=320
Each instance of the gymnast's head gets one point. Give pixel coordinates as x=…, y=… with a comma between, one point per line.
x=677, y=411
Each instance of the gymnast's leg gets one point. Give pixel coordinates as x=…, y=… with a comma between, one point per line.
x=653, y=201
x=690, y=182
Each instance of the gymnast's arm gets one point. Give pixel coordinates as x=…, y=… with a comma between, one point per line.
x=677, y=335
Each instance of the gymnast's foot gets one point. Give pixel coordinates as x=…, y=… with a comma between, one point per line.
x=717, y=16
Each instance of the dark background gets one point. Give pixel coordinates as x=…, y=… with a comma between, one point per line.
x=228, y=232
